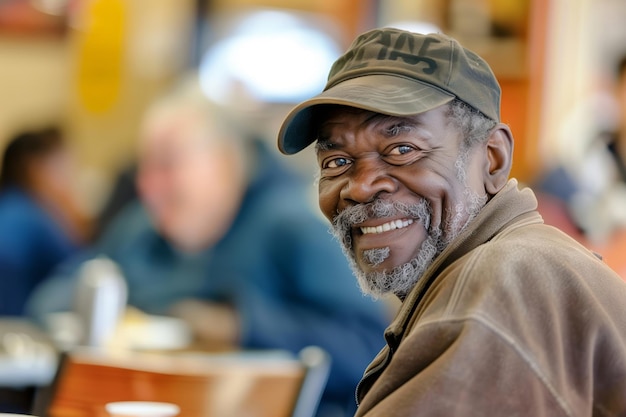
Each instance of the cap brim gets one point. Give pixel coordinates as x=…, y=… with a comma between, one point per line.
x=386, y=94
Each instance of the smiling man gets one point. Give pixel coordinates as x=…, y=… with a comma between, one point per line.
x=501, y=315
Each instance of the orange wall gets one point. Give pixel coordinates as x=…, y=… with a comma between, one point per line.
x=514, y=112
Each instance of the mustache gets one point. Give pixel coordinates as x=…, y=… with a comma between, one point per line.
x=343, y=222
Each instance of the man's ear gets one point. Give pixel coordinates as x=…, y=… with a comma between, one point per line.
x=500, y=158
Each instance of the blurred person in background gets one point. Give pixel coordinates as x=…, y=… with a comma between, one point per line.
x=41, y=223
x=589, y=178
x=224, y=237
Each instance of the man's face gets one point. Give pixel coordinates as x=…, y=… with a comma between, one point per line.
x=397, y=191
x=189, y=184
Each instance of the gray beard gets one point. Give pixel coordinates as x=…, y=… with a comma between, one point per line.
x=401, y=279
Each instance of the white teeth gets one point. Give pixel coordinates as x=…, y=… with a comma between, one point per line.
x=392, y=225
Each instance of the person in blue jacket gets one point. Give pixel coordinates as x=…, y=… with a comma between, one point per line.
x=224, y=236
x=37, y=214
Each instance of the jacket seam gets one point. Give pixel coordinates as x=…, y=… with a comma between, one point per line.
x=526, y=358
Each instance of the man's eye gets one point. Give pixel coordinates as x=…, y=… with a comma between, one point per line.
x=337, y=163
x=401, y=150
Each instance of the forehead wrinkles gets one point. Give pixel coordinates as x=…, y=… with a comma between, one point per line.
x=364, y=119
x=346, y=123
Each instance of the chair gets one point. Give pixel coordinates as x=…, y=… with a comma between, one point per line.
x=238, y=384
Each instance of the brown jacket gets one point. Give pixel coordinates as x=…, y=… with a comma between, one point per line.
x=514, y=318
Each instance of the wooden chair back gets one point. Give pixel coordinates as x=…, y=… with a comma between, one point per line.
x=244, y=384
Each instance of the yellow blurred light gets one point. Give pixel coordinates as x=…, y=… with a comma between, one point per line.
x=100, y=55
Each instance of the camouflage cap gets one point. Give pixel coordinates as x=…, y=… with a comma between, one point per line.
x=399, y=73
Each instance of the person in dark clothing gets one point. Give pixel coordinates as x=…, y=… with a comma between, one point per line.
x=40, y=223
x=224, y=237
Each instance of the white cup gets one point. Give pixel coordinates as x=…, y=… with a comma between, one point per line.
x=141, y=409
x=100, y=300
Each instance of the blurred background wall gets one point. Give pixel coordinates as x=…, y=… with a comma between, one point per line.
x=94, y=65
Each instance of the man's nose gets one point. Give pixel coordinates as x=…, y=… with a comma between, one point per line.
x=368, y=180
